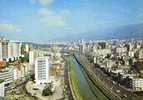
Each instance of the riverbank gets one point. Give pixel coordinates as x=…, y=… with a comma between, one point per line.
x=73, y=83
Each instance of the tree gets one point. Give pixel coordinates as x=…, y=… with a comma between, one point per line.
x=47, y=91
x=10, y=60
x=7, y=64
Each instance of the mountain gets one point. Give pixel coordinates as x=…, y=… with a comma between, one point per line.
x=128, y=31
x=121, y=32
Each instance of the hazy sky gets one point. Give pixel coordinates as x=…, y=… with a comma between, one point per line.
x=43, y=20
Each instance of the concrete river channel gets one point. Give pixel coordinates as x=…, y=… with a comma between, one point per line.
x=81, y=86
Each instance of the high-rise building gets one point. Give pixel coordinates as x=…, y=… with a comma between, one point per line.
x=14, y=49
x=27, y=48
x=32, y=57
x=3, y=48
x=41, y=70
x=9, y=49
x=1, y=88
x=141, y=54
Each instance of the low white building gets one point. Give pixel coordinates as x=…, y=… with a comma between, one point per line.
x=131, y=53
x=41, y=70
x=102, y=52
x=21, y=72
x=2, y=88
x=137, y=84
x=110, y=64
x=121, y=51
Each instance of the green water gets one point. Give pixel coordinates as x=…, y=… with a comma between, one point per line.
x=86, y=88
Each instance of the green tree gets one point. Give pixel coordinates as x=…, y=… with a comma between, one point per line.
x=47, y=91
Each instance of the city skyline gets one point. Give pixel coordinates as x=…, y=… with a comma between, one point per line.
x=44, y=20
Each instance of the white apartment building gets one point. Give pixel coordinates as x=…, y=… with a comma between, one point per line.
x=102, y=52
x=3, y=48
x=121, y=50
x=32, y=57
x=14, y=49
x=2, y=88
x=131, y=53
x=20, y=73
x=7, y=75
x=41, y=70
x=27, y=48
x=9, y=49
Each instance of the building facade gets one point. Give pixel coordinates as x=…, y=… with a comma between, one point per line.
x=2, y=88
x=9, y=49
x=137, y=84
x=32, y=57
x=7, y=74
x=3, y=48
x=14, y=50
x=41, y=70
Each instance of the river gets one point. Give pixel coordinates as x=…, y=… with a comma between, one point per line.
x=88, y=91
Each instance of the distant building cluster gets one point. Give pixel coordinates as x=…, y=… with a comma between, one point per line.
x=9, y=50
x=121, y=59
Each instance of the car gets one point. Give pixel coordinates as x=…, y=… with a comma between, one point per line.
x=35, y=88
x=118, y=91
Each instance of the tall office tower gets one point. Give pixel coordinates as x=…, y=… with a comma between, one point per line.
x=1, y=88
x=41, y=70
